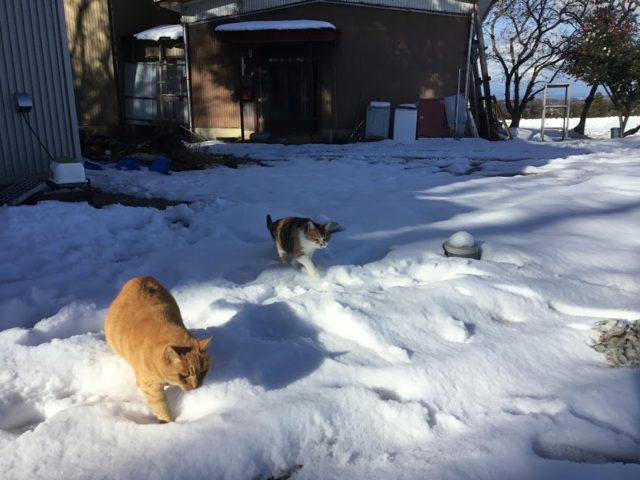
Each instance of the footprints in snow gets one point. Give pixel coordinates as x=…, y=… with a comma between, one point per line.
x=19, y=416
x=435, y=419
x=582, y=439
x=354, y=326
x=552, y=450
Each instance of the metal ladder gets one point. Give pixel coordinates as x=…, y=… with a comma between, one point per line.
x=566, y=106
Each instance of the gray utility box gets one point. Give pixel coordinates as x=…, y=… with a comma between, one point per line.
x=377, y=123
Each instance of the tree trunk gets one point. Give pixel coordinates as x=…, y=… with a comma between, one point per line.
x=516, y=116
x=625, y=118
x=579, y=128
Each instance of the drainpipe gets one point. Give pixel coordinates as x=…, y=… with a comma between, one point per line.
x=116, y=65
x=188, y=74
x=469, y=46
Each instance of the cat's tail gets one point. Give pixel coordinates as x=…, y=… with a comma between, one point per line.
x=270, y=225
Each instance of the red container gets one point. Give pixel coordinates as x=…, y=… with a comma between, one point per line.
x=432, y=119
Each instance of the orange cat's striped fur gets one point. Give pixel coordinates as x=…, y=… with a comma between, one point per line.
x=144, y=326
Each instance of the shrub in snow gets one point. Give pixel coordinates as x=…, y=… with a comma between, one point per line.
x=619, y=340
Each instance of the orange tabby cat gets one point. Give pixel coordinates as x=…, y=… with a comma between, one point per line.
x=144, y=326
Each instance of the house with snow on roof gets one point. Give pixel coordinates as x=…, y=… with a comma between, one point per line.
x=310, y=68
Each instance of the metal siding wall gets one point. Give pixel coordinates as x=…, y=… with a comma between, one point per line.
x=34, y=59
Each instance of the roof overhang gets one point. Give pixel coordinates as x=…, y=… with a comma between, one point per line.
x=285, y=31
x=201, y=10
x=160, y=33
x=175, y=5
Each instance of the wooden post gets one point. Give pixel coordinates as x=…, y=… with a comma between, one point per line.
x=486, y=99
x=241, y=120
x=503, y=117
x=455, y=115
x=479, y=113
x=467, y=74
x=311, y=93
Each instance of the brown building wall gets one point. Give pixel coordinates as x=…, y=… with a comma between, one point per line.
x=92, y=26
x=89, y=37
x=381, y=54
x=215, y=79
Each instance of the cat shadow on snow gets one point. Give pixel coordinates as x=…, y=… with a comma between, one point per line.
x=269, y=345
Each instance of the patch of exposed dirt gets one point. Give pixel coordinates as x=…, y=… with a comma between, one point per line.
x=184, y=161
x=143, y=146
x=99, y=198
x=147, y=144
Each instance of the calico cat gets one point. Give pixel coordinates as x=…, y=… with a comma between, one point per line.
x=144, y=326
x=299, y=237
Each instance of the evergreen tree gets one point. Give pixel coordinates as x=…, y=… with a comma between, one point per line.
x=605, y=51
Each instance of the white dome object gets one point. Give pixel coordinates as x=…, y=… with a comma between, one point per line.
x=460, y=240
x=461, y=244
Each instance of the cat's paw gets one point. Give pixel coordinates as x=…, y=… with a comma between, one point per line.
x=165, y=418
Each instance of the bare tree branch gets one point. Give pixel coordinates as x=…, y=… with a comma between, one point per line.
x=527, y=40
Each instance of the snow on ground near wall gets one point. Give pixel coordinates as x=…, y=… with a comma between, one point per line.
x=595, y=127
x=395, y=362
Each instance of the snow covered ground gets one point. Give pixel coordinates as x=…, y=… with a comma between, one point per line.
x=395, y=363
x=595, y=127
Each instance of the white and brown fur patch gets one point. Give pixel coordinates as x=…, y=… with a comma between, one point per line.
x=299, y=237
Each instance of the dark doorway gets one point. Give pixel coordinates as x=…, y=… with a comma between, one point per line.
x=286, y=89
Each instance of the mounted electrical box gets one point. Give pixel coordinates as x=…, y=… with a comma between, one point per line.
x=23, y=102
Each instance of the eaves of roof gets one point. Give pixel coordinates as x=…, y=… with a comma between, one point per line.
x=199, y=10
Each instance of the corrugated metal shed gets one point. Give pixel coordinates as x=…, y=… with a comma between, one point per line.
x=204, y=9
x=34, y=58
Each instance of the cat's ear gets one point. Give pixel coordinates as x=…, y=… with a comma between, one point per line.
x=326, y=228
x=204, y=343
x=171, y=355
x=310, y=226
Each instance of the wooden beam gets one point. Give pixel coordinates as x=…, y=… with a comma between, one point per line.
x=486, y=79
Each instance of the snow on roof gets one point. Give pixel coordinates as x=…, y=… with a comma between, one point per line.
x=275, y=25
x=173, y=32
